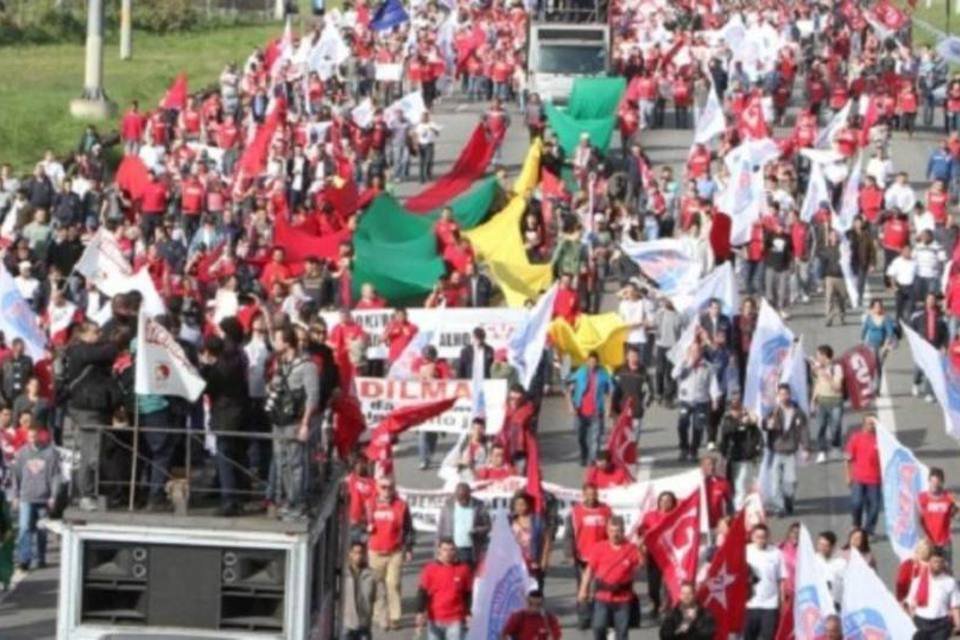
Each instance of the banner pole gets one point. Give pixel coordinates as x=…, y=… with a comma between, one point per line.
x=136, y=451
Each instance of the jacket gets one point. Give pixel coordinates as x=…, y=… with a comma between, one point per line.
x=36, y=474
x=740, y=441
x=465, y=362
x=918, y=321
x=863, y=252
x=578, y=379
x=228, y=391
x=631, y=384
x=91, y=390
x=481, y=523
x=359, y=592
x=479, y=290
x=788, y=439
x=702, y=627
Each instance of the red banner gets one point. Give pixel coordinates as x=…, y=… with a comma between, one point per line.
x=859, y=375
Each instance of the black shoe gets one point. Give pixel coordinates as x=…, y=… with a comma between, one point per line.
x=24, y=566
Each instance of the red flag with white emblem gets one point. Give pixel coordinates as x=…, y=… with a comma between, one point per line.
x=726, y=586
x=622, y=445
x=751, y=123
x=674, y=544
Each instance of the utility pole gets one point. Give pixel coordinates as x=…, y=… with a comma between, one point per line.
x=93, y=102
x=126, y=46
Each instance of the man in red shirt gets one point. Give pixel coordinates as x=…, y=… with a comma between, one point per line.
x=497, y=467
x=863, y=475
x=360, y=489
x=153, y=206
x=131, y=129
x=717, y=488
x=443, y=598
x=532, y=623
x=604, y=474
x=611, y=569
x=588, y=521
x=937, y=508
x=193, y=199
x=390, y=530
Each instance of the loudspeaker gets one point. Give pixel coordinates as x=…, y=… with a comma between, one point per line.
x=115, y=561
x=252, y=568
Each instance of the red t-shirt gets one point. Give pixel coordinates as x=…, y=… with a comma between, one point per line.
x=567, y=305
x=154, y=198
x=386, y=520
x=588, y=401
x=192, y=198
x=360, y=490
x=718, y=497
x=131, y=127
x=613, y=569
x=532, y=625
x=864, y=457
x=935, y=513
x=604, y=479
x=447, y=586
x=589, y=527
x=494, y=473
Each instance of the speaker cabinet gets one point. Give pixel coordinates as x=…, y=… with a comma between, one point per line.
x=115, y=582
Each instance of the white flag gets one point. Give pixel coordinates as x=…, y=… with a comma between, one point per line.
x=162, y=366
x=944, y=381
x=903, y=477
x=503, y=585
x=817, y=192
x=710, y=122
x=850, y=200
x=768, y=351
x=794, y=373
x=362, y=114
x=837, y=122
x=104, y=264
x=449, y=470
x=720, y=284
x=670, y=262
x=17, y=319
x=525, y=348
x=869, y=609
x=846, y=266
x=812, y=603
x=678, y=352
x=411, y=106
x=402, y=367
x=742, y=198
x=152, y=302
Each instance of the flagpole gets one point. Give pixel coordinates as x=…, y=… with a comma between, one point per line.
x=136, y=450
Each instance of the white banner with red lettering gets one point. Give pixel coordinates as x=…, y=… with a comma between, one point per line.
x=162, y=365
x=453, y=328
x=380, y=396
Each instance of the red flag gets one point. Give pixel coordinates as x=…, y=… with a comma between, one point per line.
x=399, y=420
x=254, y=158
x=870, y=118
x=674, y=544
x=300, y=245
x=751, y=123
x=132, y=176
x=348, y=421
x=176, y=96
x=470, y=165
x=535, y=474
x=622, y=445
x=726, y=587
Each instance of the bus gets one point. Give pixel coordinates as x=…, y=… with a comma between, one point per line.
x=560, y=53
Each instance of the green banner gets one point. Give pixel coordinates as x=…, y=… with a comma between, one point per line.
x=592, y=110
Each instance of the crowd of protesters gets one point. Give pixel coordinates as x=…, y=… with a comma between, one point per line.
x=204, y=230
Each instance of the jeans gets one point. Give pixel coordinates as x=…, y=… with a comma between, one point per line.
x=761, y=624
x=829, y=421
x=291, y=460
x=865, y=505
x=160, y=448
x=426, y=445
x=664, y=382
x=777, y=288
x=610, y=614
x=589, y=436
x=426, y=162
x=783, y=477
x=229, y=458
x=755, y=275
x=693, y=416
x=356, y=634
x=81, y=427
x=742, y=475
x=447, y=631
x=30, y=513
x=933, y=629
x=905, y=300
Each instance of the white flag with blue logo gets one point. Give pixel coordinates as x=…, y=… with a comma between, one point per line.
x=812, y=603
x=525, y=349
x=502, y=586
x=944, y=381
x=769, y=349
x=17, y=319
x=869, y=609
x=670, y=262
x=903, y=477
x=719, y=284
x=794, y=373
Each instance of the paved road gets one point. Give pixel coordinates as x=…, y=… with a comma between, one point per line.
x=29, y=612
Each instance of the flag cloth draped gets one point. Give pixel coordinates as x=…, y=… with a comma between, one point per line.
x=396, y=251
x=870, y=610
x=163, y=368
x=402, y=419
x=674, y=544
x=720, y=284
x=903, y=477
x=132, y=176
x=469, y=167
x=525, y=348
x=499, y=243
x=604, y=333
x=501, y=586
x=17, y=319
x=622, y=444
x=944, y=381
x=769, y=349
x=812, y=602
x=176, y=96
x=727, y=583
x=592, y=109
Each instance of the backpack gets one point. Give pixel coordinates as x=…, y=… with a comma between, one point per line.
x=285, y=405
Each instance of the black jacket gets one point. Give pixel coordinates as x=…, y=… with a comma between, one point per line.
x=465, y=363
x=740, y=441
x=227, y=388
x=479, y=291
x=89, y=377
x=631, y=384
x=702, y=627
x=918, y=321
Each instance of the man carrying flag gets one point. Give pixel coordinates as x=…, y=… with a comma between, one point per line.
x=674, y=544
